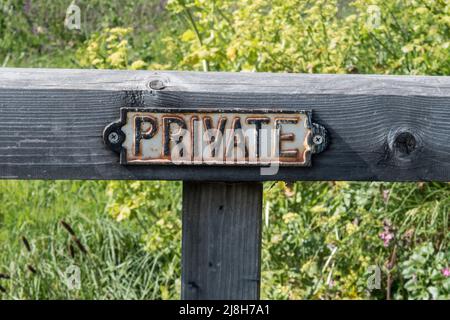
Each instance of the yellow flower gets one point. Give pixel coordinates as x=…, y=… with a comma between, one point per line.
x=318, y=209
x=138, y=64
x=93, y=45
x=289, y=217
x=165, y=295
x=351, y=228
x=276, y=239
x=111, y=38
x=158, y=66
x=120, y=31
x=231, y=53
x=116, y=59
x=188, y=35
x=122, y=44
x=124, y=213
x=96, y=61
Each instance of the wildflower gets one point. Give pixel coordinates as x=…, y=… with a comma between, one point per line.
x=446, y=272
x=231, y=53
x=117, y=58
x=386, y=236
x=289, y=217
x=122, y=44
x=96, y=61
x=120, y=31
x=138, y=64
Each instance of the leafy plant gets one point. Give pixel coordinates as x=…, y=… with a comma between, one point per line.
x=48, y=227
x=427, y=273
x=362, y=36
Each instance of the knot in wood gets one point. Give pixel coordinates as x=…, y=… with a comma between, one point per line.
x=404, y=146
x=156, y=85
x=405, y=143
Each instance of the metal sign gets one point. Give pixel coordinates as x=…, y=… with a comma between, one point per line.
x=145, y=136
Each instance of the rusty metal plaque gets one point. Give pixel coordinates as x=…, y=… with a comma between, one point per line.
x=145, y=136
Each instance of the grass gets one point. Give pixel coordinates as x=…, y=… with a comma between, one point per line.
x=115, y=265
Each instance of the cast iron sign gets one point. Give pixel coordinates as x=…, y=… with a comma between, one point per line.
x=215, y=137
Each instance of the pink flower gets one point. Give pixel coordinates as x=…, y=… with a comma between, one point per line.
x=446, y=272
x=386, y=236
x=388, y=233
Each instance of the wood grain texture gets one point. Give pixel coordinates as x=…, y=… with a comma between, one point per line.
x=221, y=249
x=389, y=128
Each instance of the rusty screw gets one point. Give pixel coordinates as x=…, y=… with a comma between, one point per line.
x=157, y=85
x=113, y=137
x=317, y=139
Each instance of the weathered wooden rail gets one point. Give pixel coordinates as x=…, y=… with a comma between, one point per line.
x=380, y=128
x=390, y=128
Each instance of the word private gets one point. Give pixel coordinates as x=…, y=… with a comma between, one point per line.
x=213, y=136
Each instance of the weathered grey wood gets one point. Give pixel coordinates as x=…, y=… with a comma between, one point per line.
x=221, y=240
x=391, y=128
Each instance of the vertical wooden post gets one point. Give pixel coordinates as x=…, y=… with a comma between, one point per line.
x=221, y=251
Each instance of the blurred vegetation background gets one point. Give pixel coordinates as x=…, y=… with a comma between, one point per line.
x=321, y=240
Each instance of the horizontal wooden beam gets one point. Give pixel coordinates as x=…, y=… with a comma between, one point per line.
x=389, y=128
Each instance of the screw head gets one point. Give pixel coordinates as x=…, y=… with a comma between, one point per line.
x=317, y=139
x=113, y=137
x=157, y=85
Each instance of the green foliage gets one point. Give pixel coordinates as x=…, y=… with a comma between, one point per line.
x=117, y=264
x=28, y=30
x=321, y=239
x=409, y=37
x=110, y=49
x=32, y=33
x=156, y=206
x=424, y=273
